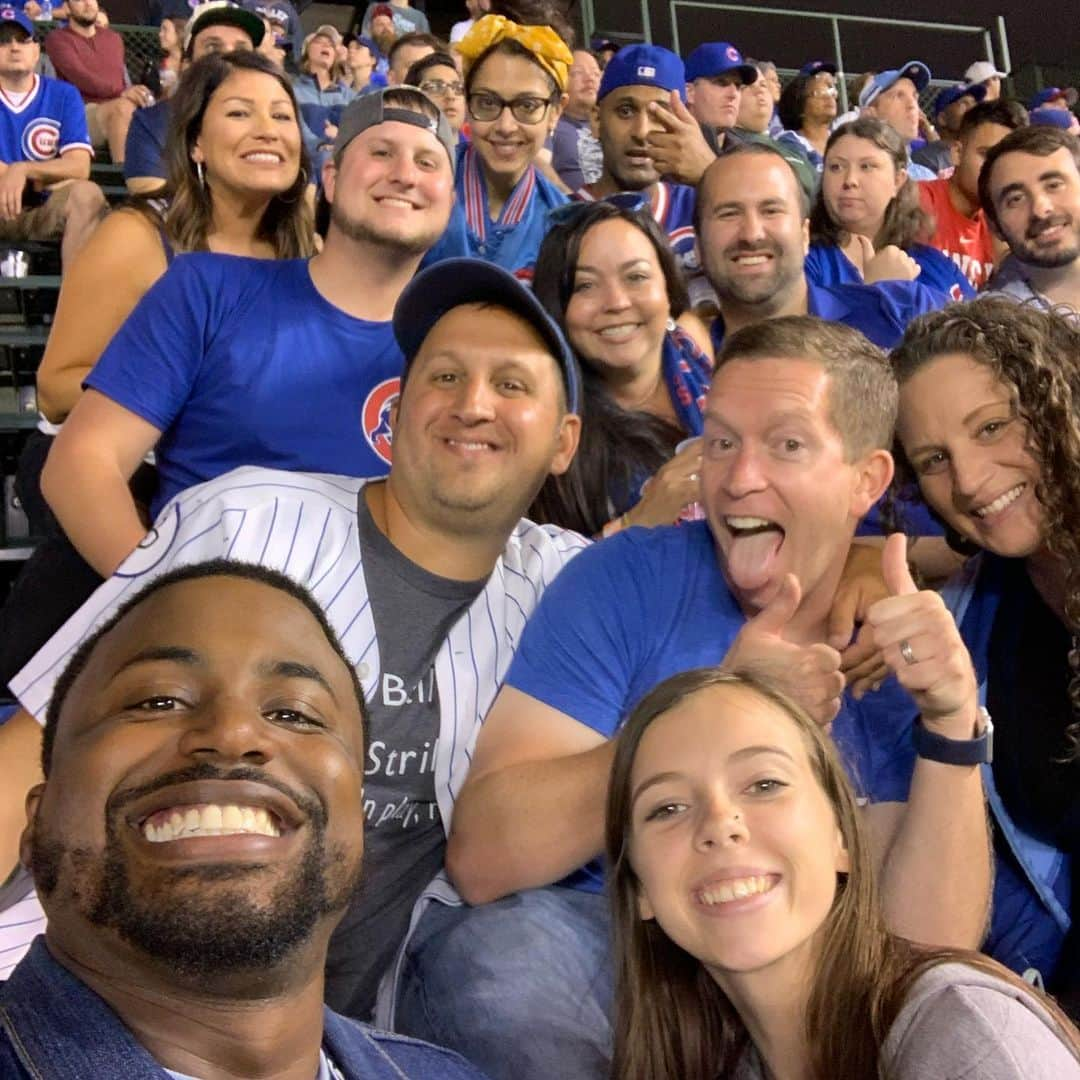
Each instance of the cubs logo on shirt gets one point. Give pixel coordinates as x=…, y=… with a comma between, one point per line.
x=375, y=416
x=40, y=139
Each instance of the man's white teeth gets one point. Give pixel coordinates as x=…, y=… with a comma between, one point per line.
x=737, y=889
x=469, y=445
x=618, y=333
x=999, y=503
x=209, y=820
x=390, y=201
x=751, y=260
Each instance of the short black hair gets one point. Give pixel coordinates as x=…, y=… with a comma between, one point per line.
x=1004, y=112
x=415, y=38
x=192, y=572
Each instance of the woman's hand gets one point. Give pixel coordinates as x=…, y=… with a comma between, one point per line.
x=891, y=264
x=674, y=487
x=918, y=637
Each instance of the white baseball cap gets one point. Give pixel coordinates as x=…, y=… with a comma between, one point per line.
x=982, y=70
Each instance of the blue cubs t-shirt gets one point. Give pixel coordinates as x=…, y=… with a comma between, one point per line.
x=241, y=361
x=650, y=603
x=48, y=121
x=826, y=264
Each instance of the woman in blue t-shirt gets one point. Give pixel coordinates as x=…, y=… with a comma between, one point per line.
x=515, y=88
x=866, y=209
x=608, y=276
x=989, y=427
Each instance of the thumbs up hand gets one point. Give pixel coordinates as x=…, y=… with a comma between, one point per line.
x=921, y=644
x=810, y=674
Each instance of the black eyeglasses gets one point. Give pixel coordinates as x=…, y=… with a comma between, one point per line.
x=633, y=201
x=441, y=88
x=526, y=109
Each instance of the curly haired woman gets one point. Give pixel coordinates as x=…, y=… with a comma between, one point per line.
x=989, y=427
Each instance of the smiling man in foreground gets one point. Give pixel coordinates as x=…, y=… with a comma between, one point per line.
x=197, y=838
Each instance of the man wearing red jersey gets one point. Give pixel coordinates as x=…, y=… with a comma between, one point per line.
x=961, y=230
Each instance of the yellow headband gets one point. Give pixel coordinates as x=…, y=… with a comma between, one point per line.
x=548, y=49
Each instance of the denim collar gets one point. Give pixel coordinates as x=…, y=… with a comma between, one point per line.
x=57, y=1028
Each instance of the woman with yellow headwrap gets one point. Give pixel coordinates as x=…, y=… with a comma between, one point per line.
x=515, y=83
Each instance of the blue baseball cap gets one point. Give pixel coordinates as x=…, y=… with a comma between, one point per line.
x=643, y=65
x=915, y=70
x=815, y=67
x=952, y=94
x=8, y=14
x=448, y=284
x=1052, y=93
x=718, y=58
x=1059, y=118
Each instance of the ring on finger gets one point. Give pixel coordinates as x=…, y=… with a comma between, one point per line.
x=693, y=478
x=906, y=653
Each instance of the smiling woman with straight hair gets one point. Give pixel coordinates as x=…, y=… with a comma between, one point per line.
x=749, y=939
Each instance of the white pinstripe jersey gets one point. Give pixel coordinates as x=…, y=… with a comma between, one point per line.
x=305, y=526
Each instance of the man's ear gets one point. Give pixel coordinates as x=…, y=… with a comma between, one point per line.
x=329, y=180
x=594, y=121
x=566, y=443
x=33, y=803
x=874, y=473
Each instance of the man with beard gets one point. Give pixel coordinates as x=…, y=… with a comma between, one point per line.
x=230, y=361
x=427, y=576
x=753, y=233
x=1029, y=189
x=196, y=839
x=91, y=58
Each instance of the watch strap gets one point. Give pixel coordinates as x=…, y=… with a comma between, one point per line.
x=975, y=751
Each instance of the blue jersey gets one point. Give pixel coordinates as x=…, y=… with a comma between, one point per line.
x=50, y=121
x=650, y=603
x=513, y=241
x=241, y=361
x=826, y=264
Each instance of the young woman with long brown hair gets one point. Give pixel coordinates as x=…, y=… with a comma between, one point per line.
x=749, y=940
x=222, y=196
x=867, y=216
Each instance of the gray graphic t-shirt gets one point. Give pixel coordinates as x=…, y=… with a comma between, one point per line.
x=404, y=839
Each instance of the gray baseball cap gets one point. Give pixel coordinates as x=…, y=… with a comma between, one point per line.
x=371, y=109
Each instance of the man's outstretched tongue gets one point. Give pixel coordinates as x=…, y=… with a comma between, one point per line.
x=751, y=558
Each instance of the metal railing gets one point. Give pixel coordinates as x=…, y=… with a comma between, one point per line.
x=836, y=21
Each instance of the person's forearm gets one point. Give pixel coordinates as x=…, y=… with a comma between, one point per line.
x=73, y=166
x=528, y=825
x=936, y=878
x=93, y=503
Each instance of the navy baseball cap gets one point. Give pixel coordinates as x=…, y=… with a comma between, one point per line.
x=718, y=58
x=1059, y=118
x=1052, y=93
x=915, y=70
x=9, y=14
x=448, y=284
x=815, y=67
x=643, y=65
x=952, y=94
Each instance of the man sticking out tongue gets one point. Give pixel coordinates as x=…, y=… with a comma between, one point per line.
x=797, y=425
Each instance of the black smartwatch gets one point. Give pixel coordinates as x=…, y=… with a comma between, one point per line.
x=976, y=751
